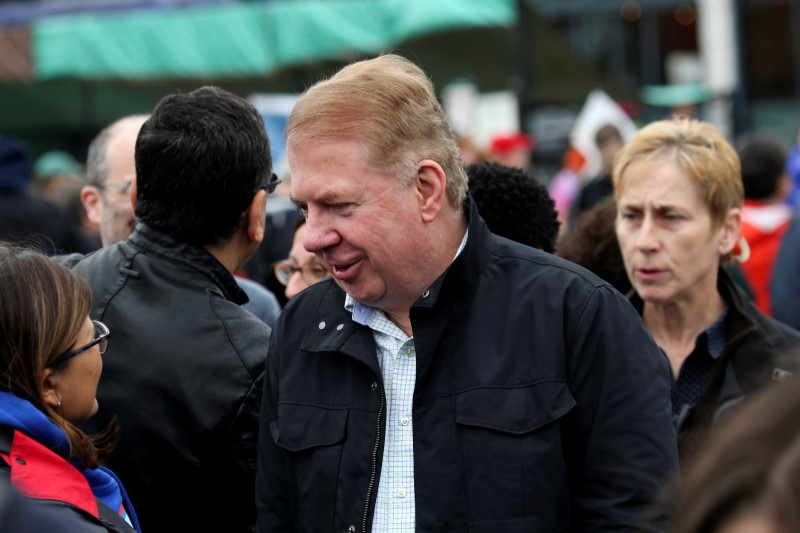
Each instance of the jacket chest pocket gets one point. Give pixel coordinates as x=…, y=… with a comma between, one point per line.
x=511, y=449
x=313, y=438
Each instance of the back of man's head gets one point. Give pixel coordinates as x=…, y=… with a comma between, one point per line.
x=763, y=160
x=200, y=158
x=390, y=104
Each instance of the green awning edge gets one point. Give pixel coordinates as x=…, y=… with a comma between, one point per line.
x=243, y=39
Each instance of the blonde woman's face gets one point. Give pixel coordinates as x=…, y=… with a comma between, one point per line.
x=665, y=232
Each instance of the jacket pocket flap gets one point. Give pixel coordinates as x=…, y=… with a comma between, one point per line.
x=300, y=427
x=514, y=410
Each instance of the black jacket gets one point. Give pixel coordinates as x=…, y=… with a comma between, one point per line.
x=541, y=404
x=758, y=351
x=183, y=371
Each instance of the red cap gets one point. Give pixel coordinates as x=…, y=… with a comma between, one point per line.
x=506, y=143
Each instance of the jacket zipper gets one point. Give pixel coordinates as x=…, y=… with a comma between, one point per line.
x=374, y=470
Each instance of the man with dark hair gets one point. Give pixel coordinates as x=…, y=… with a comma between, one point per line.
x=111, y=170
x=765, y=214
x=443, y=378
x=514, y=205
x=185, y=367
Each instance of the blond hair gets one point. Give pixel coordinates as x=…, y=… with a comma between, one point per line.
x=699, y=150
x=390, y=104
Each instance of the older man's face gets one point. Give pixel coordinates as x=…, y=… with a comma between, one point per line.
x=116, y=217
x=361, y=224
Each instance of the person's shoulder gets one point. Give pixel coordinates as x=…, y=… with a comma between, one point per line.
x=542, y=265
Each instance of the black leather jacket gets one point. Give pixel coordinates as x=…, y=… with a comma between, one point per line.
x=541, y=404
x=183, y=371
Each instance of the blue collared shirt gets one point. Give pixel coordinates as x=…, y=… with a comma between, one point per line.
x=397, y=357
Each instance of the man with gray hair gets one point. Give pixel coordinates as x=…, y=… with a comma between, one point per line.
x=110, y=172
x=443, y=378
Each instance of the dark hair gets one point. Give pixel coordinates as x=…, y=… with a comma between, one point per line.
x=593, y=245
x=607, y=134
x=43, y=306
x=514, y=205
x=200, y=158
x=763, y=163
x=751, y=463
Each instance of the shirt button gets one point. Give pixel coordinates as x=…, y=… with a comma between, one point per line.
x=21, y=461
x=426, y=294
x=374, y=386
x=401, y=493
x=351, y=529
x=404, y=421
x=339, y=327
x=409, y=352
x=322, y=325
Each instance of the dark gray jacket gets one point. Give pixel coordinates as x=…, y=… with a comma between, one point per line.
x=183, y=372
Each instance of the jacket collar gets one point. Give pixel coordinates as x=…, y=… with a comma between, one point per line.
x=466, y=268
x=332, y=327
x=154, y=242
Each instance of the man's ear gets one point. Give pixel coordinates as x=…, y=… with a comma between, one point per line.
x=731, y=230
x=133, y=193
x=256, y=216
x=430, y=188
x=50, y=394
x=90, y=198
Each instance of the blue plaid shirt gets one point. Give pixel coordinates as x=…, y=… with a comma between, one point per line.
x=397, y=357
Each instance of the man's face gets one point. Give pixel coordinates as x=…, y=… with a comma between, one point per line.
x=362, y=225
x=116, y=211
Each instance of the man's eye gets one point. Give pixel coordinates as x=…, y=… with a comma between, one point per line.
x=319, y=271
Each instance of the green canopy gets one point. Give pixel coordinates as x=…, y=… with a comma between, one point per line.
x=92, y=69
x=244, y=39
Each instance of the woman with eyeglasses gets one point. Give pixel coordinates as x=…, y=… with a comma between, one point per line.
x=302, y=269
x=52, y=359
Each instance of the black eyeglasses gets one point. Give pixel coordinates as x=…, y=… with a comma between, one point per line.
x=271, y=184
x=101, y=334
x=311, y=272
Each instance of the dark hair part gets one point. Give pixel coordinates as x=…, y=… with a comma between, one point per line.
x=43, y=306
x=514, y=205
x=763, y=160
x=200, y=159
x=593, y=245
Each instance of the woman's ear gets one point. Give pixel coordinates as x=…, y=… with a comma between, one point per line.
x=731, y=230
x=50, y=395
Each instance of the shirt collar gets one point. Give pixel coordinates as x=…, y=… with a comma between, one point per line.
x=362, y=312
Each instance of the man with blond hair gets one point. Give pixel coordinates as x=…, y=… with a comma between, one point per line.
x=443, y=378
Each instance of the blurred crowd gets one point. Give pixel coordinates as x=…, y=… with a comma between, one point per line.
x=407, y=332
